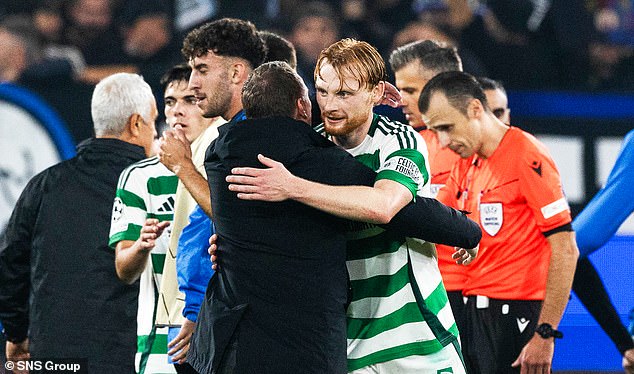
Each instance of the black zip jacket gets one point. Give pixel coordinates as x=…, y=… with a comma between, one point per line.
x=57, y=273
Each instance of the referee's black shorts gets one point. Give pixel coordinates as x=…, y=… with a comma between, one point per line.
x=496, y=331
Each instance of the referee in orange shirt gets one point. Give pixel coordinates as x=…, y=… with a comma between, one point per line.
x=414, y=64
x=519, y=286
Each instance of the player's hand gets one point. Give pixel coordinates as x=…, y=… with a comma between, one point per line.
x=18, y=352
x=274, y=183
x=180, y=345
x=536, y=356
x=213, y=251
x=150, y=231
x=628, y=361
x=391, y=96
x=464, y=256
x=175, y=150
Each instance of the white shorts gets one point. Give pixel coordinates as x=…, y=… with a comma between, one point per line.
x=447, y=360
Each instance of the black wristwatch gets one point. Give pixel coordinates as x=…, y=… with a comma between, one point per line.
x=546, y=331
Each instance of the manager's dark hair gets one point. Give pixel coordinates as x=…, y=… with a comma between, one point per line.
x=459, y=88
x=228, y=37
x=272, y=90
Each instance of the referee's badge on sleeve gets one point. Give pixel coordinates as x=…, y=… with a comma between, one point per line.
x=491, y=217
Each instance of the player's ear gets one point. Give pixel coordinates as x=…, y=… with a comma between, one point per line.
x=238, y=72
x=377, y=93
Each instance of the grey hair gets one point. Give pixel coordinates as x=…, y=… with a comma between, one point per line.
x=431, y=55
x=116, y=98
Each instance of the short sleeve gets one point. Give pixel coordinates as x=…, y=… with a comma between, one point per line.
x=405, y=161
x=128, y=210
x=541, y=186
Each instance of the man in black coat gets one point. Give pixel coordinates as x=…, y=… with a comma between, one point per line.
x=277, y=302
x=59, y=294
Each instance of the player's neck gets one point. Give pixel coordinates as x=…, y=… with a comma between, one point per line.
x=355, y=137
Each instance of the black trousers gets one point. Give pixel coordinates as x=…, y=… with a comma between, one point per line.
x=185, y=369
x=496, y=332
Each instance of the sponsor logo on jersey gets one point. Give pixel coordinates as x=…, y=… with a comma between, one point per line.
x=404, y=166
x=491, y=217
x=168, y=206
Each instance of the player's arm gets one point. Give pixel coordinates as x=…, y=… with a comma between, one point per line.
x=593, y=227
x=424, y=218
x=376, y=204
x=131, y=256
x=590, y=290
x=176, y=155
x=431, y=220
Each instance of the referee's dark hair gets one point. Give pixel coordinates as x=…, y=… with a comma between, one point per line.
x=272, y=90
x=459, y=88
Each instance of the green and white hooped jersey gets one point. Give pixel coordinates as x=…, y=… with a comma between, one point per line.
x=399, y=305
x=146, y=189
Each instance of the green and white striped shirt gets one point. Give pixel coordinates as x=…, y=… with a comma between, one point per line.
x=399, y=305
x=146, y=189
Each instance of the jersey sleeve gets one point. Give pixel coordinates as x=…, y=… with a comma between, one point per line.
x=128, y=210
x=193, y=267
x=405, y=162
x=540, y=184
x=593, y=227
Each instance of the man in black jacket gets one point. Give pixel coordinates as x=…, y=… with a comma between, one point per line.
x=277, y=303
x=59, y=294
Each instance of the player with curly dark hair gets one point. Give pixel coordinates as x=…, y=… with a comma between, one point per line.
x=221, y=54
x=228, y=37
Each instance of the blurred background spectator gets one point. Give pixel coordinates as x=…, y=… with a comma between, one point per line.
x=60, y=48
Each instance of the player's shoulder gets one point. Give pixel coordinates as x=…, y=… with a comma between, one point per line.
x=387, y=126
x=144, y=169
x=386, y=132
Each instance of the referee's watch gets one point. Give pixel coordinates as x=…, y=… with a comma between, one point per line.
x=546, y=331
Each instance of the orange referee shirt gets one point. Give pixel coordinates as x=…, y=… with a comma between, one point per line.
x=516, y=196
x=441, y=161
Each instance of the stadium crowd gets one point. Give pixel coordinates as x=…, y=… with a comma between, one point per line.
x=398, y=302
